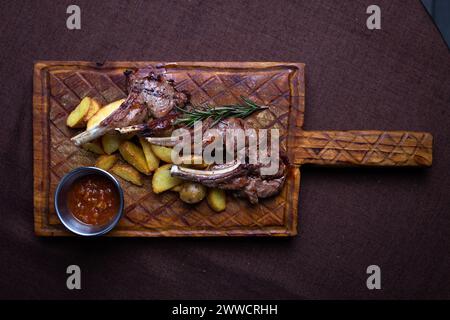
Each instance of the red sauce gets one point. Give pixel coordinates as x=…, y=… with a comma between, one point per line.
x=93, y=199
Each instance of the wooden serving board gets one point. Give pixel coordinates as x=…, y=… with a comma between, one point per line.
x=60, y=85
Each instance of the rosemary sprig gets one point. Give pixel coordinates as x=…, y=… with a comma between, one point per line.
x=200, y=113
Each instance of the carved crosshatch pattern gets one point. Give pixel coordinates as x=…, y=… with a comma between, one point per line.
x=364, y=148
x=59, y=87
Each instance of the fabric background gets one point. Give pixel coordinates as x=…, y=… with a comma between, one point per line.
x=397, y=78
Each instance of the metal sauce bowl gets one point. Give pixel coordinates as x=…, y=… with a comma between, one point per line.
x=67, y=218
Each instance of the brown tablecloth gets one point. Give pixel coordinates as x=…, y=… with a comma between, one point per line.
x=394, y=78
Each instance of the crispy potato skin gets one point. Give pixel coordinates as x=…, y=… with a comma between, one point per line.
x=128, y=173
x=163, y=153
x=85, y=110
x=217, y=199
x=111, y=142
x=150, y=157
x=162, y=180
x=106, y=161
x=93, y=146
x=177, y=188
x=102, y=113
x=94, y=106
x=192, y=192
x=192, y=161
x=134, y=156
x=144, y=159
x=77, y=118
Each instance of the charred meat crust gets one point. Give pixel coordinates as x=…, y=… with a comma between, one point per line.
x=246, y=180
x=149, y=94
x=157, y=92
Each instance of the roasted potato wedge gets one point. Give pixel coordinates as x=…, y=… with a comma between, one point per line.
x=104, y=112
x=111, y=142
x=134, y=156
x=93, y=146
x=192, y=192
x=94, y=106
x=162, y=180
x=150, y=157
x=163, y=153
x=106, y=161
x=128, y=173
x=77, y=118
x=199, y=166
x=177, y=188
x=217, y=199
x=191, y=162
x=127, y=136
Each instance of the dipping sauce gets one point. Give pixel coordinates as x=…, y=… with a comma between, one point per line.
x=93, y=199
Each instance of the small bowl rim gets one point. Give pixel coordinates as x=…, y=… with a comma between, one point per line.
x=90, y=170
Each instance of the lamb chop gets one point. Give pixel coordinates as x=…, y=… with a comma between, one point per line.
x=149, y=95
x=158, y=131
x=244, y=179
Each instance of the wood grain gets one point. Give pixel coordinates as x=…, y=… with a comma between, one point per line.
x=363, y=148
x=60, y=85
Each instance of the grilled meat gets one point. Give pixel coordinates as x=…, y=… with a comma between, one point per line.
x=245, y=180
x=150, y=110
x=156, y=92
x=149, y=95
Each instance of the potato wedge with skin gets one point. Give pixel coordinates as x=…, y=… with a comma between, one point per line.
x=192, y=161
x=150, y=157
x=111, y=142
x=162, y=180
x=134, y=156
x=104, y=112
x=128, y=173
x=163, y=153
x=192, y=192
x=176, y=188
x=94, y=106
x=106, y=161
x=217, y=199
x=127, y=136
x=200, y=166
x=93, y=146
x=77, y=118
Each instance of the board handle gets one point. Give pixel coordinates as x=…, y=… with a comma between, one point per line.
x=363, y=148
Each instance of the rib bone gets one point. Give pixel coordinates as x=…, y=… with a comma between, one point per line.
x=89, y=135
x=206, y=177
